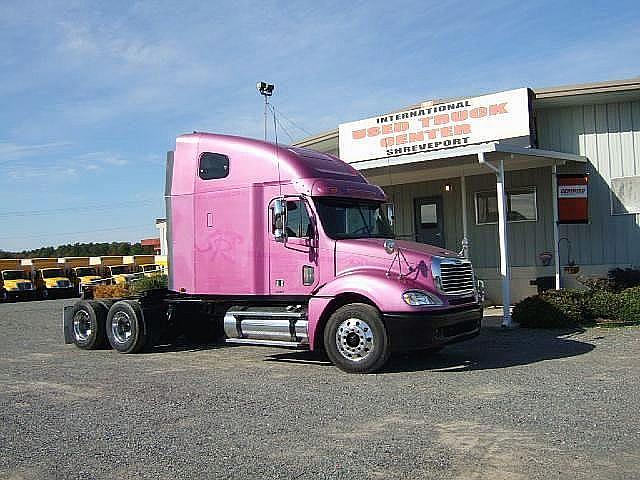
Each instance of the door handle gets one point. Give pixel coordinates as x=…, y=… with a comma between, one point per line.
x=209, y=219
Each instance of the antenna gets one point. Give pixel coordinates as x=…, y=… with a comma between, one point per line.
x=266, y=90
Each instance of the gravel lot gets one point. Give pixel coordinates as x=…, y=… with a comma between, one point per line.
x=509, y=404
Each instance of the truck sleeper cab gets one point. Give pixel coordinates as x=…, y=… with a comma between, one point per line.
x=289, y=247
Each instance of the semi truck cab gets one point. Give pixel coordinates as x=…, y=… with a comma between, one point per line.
x=283, y=246
x=15, y=284
x=119, y=274
x=150, y=269
x=53, y=282
x=83, y=276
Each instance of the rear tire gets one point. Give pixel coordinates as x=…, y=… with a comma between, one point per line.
x=356, y=340
x=89, y=320
x=126, y=328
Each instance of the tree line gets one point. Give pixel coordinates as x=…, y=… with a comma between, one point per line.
x=82, y=250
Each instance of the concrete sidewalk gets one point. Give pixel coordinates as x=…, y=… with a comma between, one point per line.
x=492, y=317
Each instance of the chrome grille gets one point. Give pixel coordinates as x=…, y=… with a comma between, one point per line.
x=24, y=286
x=63, y=283
x=456, y=277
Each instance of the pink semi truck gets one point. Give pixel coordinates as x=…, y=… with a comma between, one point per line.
x=282, y=246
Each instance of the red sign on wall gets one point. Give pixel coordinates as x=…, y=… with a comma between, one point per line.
x=573, y=199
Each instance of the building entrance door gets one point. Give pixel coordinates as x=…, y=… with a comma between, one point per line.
x=429, y=221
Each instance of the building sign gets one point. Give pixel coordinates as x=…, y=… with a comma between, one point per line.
x=573, y=195
x=499, y=116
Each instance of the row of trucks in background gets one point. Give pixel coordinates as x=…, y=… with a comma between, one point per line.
x=28, y=279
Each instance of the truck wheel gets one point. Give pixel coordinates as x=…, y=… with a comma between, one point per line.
x=89, y=320
x=126, y=328
x=4, y=296
x=356, y=339
x=45, y=293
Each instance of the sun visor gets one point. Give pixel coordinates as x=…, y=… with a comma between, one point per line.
x=340, y=188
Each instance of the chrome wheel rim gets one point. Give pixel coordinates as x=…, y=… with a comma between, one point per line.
x=121, y=327
x=355, y=339
x=82, y=325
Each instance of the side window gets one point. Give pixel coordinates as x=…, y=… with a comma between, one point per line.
x=213, y=165
x=298, y=222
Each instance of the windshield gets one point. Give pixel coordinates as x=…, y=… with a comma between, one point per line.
x=353, y=218
x=13, y=275
x=85, y=271
x=52, y=273
x=118, y=270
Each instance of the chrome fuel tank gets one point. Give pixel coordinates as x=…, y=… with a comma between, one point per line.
x=274, y=325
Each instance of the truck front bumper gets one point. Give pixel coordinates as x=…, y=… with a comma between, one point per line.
x=424, y=330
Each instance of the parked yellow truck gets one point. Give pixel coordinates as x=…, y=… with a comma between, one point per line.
x=15, y=282
x=113, y=267
x=145, y=266
x=50, y=278
x=80, y=272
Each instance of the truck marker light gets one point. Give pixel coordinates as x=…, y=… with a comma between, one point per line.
x=307, y=275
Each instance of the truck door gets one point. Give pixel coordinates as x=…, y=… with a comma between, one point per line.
x=293, y=263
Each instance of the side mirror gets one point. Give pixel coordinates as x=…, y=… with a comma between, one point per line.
x=279, y=220
x=390, y=213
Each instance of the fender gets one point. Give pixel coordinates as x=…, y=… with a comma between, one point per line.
x=385, y=292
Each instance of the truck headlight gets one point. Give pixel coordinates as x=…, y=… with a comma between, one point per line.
x=417, y=298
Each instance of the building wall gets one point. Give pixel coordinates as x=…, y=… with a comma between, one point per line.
x=609, y=136
x=527, y=239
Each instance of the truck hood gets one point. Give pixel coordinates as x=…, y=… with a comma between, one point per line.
x=355, y=254
x=53, y=281
x=14, y=284
x=88, y=278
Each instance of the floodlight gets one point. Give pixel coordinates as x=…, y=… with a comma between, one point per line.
x=265, y=88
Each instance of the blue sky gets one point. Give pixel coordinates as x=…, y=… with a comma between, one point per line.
x=94, y=93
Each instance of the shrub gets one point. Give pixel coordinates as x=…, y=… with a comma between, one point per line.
x=110, y=291
x=571, y=303
x=603, y=304
x=149, y=283
x=562, y=308
x=595, y=284
x=629, y=305
x=537, y=312
x=621, y=279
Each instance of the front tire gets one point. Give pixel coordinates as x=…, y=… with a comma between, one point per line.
x=45, y=293
x=127, y=330
x=89, y=320
x=356, y=340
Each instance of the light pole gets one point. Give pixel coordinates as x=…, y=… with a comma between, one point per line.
x=266, y=90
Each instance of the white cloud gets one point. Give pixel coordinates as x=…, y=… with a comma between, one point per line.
x=13, y=151
x=95, y=160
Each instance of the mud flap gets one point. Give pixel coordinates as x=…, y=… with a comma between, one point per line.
x=67, y=323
